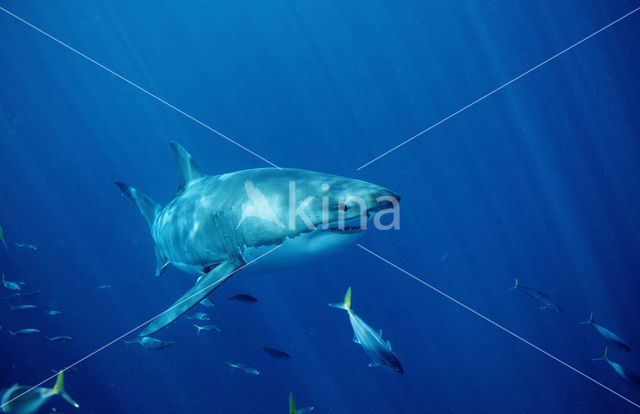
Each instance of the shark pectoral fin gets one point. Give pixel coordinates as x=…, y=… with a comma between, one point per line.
x=204, y=286
x=356, y=340
x=161, y=262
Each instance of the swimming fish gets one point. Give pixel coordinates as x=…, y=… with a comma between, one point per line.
x=628, y=376
x=31, y=401
x=544, y=300
x=200, y=316
x=102, y=287
x=207, y=302
x=26, y=246
x=244, y=367
x=207, y=328
x=607, y=334
x=22, y=307
x=10, y=285
x=27, y=331
x=243, y=298
x=151, y=343
x=274, y=352
x=52, y=312
x=30, y=294
x=292, y=407
x=2, y=239
x=371, y=341
x=59, y=338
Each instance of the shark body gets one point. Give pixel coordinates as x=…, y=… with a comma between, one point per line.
x=217, y=225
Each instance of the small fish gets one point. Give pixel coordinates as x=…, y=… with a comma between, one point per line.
x=102, y=287
x=274, y=352
x=207, y=302
x=292, y=407
x=52, y=312
x=244, y=367
x=27, y=331
x=544, y=300
x=10, y=285
x=148, y=342
x=200, y=316
x=371, y=341
x=60, y=338
x=243, y=298
x=628, y=376
x=607, y=334
x=31, y=400
x=207, y=328
x=32, y=293
x=2, y=239
x=21, y=307
x=445, y=256
x=26, y=246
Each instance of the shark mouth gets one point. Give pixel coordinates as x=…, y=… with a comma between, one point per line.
x=349, y=226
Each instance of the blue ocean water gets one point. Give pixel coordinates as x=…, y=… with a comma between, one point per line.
x=537, y=181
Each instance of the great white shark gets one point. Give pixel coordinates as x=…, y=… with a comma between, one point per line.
x=218, y=224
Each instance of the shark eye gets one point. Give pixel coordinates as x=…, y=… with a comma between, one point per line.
x=343, y=207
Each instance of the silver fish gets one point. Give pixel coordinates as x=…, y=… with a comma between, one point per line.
x=607, y=334
x=52, y=312
x=627, y=375
x=60, y=338
x=544, y=300
x=207, y=328
x=244, y=367
x=27, y=331
x=148, y=342
x=10, y=285
x=26, y=246
x=31, y=400
x=200, y=316
x=371, y=341
x=22, y=307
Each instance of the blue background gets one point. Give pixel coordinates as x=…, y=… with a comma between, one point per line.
x=539, y=180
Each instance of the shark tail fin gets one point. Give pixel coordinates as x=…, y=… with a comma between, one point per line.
x=516, y=285
x=590, y=321
x=59, y=389
x=346, y=305
x=149, y=208
x=292, y=404
x=188, y=170
x=11, y=332
x=605, y=357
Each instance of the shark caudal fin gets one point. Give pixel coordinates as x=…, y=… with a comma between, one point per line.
x=590, y=321
x=188, y=170
x=605, y=357
x=346, y=305
x=149, y=208
x=515, y=286
x=59, y=389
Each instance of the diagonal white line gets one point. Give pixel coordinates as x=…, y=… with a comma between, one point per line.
x=131, y=331
x=499, y=326
x=498, y=88
x=139, y=87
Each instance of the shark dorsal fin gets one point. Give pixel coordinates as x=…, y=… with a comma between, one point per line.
x=188, y=170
